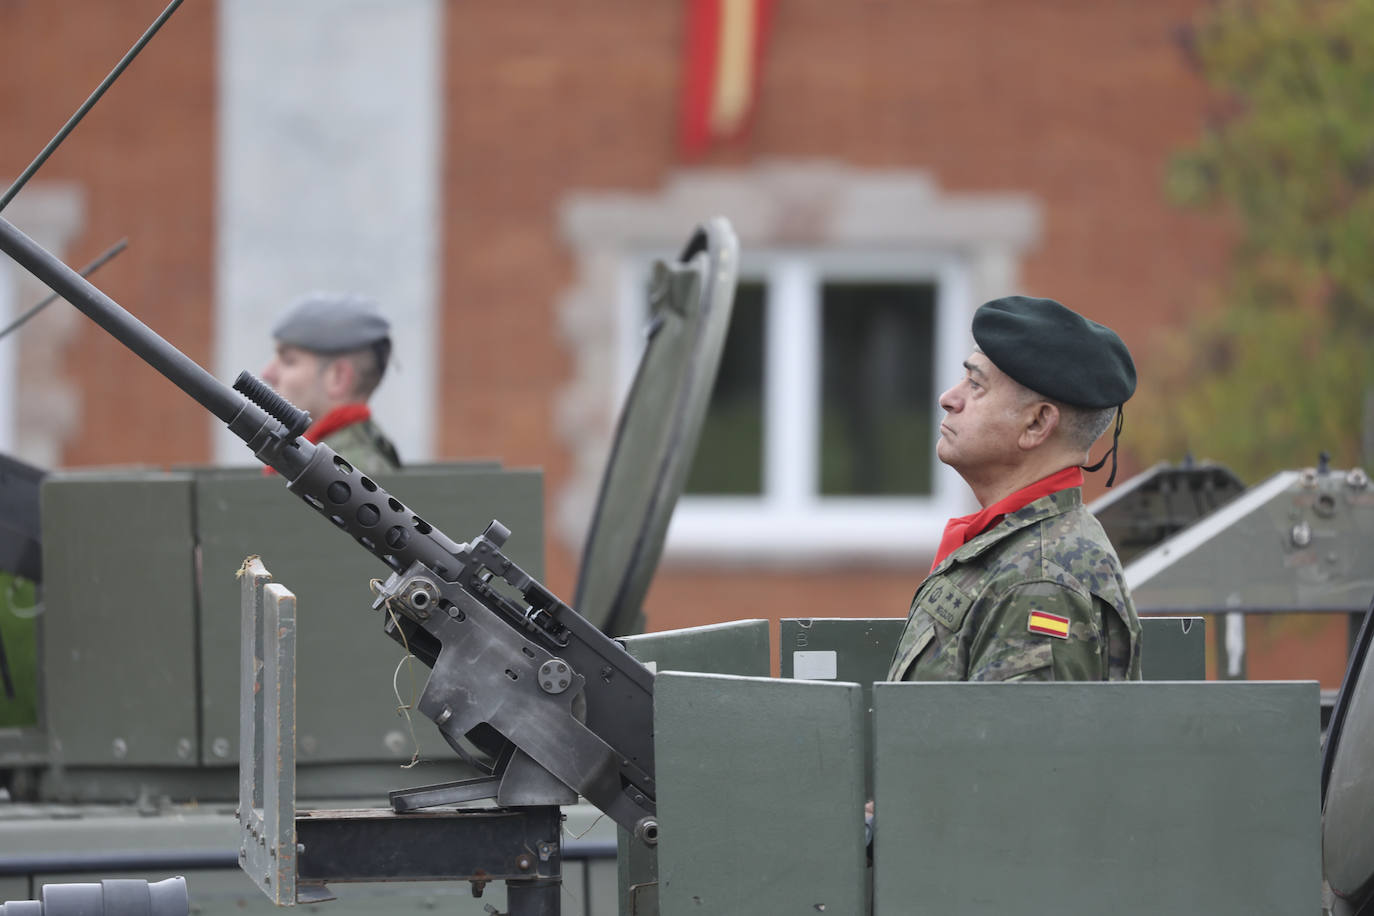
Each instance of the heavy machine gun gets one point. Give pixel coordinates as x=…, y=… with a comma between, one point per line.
x=522, y=686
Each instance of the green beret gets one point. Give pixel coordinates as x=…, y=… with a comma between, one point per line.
x=1055, y=351
x=332, y=323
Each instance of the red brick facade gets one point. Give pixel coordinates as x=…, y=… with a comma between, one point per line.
x=144, y=159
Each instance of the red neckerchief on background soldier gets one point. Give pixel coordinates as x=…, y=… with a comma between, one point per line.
x=959, y=531
x=340, y=417
x=337, y=419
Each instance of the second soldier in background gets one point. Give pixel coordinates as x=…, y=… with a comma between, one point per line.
x=332, y=351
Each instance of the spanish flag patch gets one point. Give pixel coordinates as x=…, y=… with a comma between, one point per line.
x=1049, y=624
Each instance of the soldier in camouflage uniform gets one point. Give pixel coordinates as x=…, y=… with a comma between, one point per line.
x=1029, y=588
x=331, y=354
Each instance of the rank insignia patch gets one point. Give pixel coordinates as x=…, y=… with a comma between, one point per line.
x=1049, y=624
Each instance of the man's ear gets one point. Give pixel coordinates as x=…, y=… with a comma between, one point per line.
x=1042, y=420
x=340, y=378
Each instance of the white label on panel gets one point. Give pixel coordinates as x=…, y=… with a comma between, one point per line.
x=814, y=666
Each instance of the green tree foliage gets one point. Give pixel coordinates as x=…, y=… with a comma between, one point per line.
x=1281, y=369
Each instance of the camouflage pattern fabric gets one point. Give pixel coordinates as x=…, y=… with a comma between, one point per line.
x=365, y=447
x=1039, y=597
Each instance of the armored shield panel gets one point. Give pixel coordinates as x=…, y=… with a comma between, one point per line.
x=760, y=794
x=656, y=436
x=1161, y=501
x=118, y=651
x=738, y=647
x=348, y=671
x=1299, y=541
x=1132, y=798
x=141, y=594
x=1348, y=785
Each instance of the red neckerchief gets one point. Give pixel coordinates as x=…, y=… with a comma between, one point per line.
x=337, y=419
x=959, y=531
x=340, y=417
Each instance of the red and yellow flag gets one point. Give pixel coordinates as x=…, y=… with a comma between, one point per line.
x=1048, y=624
x=725, y=41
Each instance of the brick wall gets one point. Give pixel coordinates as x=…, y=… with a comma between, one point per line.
x=144, y=160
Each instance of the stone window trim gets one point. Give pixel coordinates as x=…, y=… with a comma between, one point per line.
x=970, y=242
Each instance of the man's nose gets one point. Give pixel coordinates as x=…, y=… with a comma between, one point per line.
x=949, y=400
x=269, y=373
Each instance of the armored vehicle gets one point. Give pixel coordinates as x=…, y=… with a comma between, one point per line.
x=736, y=762
x=729, y=791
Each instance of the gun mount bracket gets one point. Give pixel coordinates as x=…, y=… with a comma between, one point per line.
x=293, y=854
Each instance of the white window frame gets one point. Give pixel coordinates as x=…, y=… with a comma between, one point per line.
x=791, y=517
x=838, y=219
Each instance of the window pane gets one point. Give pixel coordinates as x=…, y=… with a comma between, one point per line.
x=877, y=397
x=729, y=459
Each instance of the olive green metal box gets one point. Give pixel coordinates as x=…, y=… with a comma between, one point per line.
x=119, y=632
x=140, y=633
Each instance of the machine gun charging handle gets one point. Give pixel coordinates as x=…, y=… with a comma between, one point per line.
x=279, y=408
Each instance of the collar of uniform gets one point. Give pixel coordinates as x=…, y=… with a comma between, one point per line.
x=1056, y=503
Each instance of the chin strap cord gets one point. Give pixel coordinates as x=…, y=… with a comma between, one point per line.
x=1111, y=453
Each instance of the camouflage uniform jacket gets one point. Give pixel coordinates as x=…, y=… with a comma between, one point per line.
x=365, y=447
x=1047, y=565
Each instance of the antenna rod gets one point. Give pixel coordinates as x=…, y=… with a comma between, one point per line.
x=75, y=119
x=50, y=298
x=181, y=370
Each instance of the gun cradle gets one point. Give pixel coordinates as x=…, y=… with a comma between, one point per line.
x=488, y=673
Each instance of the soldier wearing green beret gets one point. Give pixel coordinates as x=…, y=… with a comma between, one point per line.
x=332, y=351
x=1028, y=588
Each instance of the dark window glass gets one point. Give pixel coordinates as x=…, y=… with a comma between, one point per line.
x=729, y=459
x=877, y=397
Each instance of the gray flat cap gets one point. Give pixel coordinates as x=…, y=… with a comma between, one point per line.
x=332, y=323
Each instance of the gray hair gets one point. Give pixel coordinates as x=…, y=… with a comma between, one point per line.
x=1084, y=425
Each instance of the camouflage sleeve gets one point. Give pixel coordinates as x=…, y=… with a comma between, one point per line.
x=1038, y=630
